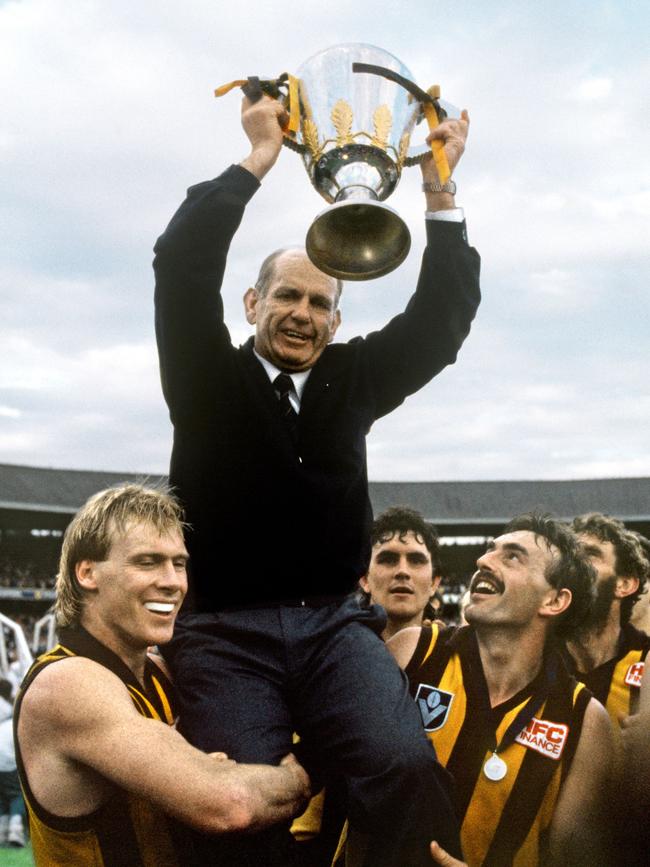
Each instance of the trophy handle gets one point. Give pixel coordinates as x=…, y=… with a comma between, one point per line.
x=416, y=153
x=431, y=108
x=284, y=88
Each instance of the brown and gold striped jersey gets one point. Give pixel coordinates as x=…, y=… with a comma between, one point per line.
x=616, y=682
x=503, y=821
x=126, y=831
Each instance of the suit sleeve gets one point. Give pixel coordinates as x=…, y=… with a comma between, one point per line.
x=189, y=264
x=418, y=343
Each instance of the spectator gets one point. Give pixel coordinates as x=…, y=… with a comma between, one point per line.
x=12, y=806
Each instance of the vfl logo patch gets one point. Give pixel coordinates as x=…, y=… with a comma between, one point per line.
x=548, y=738
x=434, y=706
x=634, y=674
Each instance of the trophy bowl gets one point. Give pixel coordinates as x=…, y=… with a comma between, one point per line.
x=355, y=129
x=352, y=109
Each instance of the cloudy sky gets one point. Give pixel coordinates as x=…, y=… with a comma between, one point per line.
x=108, y=116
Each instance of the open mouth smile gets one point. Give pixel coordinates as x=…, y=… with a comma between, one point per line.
x=486, y=585
x=296, y=335
x=160, y=607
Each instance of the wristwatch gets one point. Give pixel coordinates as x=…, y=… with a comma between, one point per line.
x=437, y=187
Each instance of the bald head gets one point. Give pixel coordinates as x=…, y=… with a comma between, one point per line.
x=268, y=267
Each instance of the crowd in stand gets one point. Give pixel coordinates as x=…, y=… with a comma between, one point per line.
x=27, y=574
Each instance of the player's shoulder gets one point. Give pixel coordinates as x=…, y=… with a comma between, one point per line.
x=70, y=688
x=596, y=723
x=404, y=643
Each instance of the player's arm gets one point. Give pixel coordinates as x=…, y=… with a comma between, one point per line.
x=83, y=712
x=578, y=833
x=402, y=645
x=635, y=737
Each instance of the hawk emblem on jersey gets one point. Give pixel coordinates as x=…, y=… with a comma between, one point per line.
x=634, y=674
x=547, y=738
x=434, y=706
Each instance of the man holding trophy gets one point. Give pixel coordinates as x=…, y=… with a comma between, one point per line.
x=269, y=462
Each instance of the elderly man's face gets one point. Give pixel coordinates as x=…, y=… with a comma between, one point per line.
x=297, y=317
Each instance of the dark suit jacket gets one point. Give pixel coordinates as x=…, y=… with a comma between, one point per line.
x=269, y=522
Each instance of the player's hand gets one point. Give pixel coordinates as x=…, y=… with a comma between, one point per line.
x=453, y=134
x=262, y=122
x=444, y=858
x=299, y=775
x=222, y=757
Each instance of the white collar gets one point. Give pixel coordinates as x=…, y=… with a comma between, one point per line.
x=299, y=379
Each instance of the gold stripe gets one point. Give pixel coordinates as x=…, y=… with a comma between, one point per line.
x=445, y=738
x=490, y=797
x=135, y=693
x=169, y=717
x=435, y=632
x=619, y=695
x=308, y=824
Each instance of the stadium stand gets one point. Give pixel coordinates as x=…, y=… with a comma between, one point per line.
x=37, y=503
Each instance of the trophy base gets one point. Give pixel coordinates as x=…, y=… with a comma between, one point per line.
x=354, y=240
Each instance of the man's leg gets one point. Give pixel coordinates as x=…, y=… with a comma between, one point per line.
x=352, y=702
x=229, y=676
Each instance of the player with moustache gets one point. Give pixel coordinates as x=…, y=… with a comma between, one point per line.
x=531, y=751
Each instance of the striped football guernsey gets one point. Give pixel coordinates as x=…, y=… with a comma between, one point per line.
x=126, y=831
x=616, y=683
x=503, y=821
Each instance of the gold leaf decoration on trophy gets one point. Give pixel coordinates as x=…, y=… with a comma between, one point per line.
x=342, y=120
x=403, y=148
x=382, y=120
x=310, y=136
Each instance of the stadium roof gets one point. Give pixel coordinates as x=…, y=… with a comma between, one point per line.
x=448, y=504
x=40, y=489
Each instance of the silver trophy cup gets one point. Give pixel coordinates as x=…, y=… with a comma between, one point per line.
x=354, y=134
x=352, y=109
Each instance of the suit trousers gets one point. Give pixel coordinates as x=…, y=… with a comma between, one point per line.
x=248, y=679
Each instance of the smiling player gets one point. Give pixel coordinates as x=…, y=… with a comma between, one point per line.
x=530, y=749
x=100, y=762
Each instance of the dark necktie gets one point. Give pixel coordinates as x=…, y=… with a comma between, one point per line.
x=284, y=385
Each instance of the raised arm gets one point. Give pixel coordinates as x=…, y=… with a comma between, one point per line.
x=579, y=831
x=417, y=344
x=78, y=718
x=189, y=264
